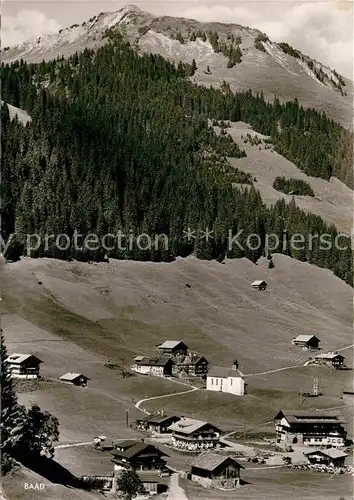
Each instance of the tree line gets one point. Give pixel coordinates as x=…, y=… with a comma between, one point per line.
x=121, y=142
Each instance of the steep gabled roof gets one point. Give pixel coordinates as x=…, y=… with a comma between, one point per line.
x=210, y=461
x=192, y=359
x=18, y=359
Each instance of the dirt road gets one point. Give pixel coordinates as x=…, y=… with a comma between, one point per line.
x=175, y=492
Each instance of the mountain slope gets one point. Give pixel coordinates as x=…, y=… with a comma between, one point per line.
x=118, y=309
x=332, y=199
x=121, y=142
x=264, y=65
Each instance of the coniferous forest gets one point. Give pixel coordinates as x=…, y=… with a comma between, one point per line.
x=121, y=141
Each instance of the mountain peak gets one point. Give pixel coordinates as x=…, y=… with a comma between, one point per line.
x=243, y=57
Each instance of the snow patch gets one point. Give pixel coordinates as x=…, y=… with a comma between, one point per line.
x=22, y=115
x=310, y=73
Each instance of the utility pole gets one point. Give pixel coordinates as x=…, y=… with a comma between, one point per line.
x=127, y=418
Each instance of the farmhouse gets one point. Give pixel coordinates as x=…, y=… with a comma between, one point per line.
x=214, y=470
x=306, y=341
x=160, y=366
x=229, y=380
x=330, y=359
x=192, y=364
x=259, y=285
x=75, y=379
x=23, y=366
x=194, y=435
x=145, y=459
x=330, y=457
x=158, y=424
x=173, y=348
x=312, y=428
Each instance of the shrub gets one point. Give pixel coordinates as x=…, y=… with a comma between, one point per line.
x=293, y=186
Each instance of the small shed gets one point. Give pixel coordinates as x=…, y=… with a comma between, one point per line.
x=331, y=457
x=259, y=285
x=330, y=359
x=306, y=341
x=77, y=379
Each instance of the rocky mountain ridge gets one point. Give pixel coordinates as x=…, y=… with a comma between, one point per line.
x=243, y=57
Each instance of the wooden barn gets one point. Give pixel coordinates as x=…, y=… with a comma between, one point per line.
x=259, y=285
x=173, y=348
x=306, y=341
x=77, y=379
x=216, y=470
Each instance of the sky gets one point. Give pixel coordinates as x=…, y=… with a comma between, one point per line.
x=322, y=30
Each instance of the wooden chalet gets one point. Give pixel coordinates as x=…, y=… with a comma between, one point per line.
x=145, y=459
x=24, y=366
x=216, y=470
x=192, y=364
x=310, y=427
x=192, y=435
x=306, y=341
x=158, y=424
x=173, y=348
x=330, y=457
x=138, y=455
x=330, y=359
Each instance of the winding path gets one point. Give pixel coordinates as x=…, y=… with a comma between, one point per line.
x=139, y=403
x=272, y=371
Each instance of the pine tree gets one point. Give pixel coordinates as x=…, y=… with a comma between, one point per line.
x=12, y=414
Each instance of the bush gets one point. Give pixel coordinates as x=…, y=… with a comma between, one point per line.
x=288, y=49
x=293, y=186
x=142, y=30
x=259, y=46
